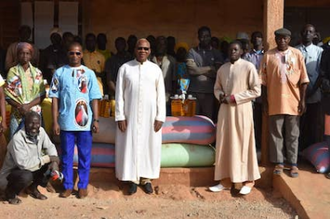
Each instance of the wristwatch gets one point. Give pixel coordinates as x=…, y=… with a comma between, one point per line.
x=96, y=120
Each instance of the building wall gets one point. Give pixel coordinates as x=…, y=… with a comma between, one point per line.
x=9, y=22
x=300, y=12
x=180, y=19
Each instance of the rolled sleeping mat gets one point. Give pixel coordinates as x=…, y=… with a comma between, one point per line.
x=193, y=130
x=172, y=155
x=318, y=154
x=106, y=134
x=103, y=155
x=107, y=131
x=187, y=155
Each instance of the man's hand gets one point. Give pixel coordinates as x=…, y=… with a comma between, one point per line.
x=53, y=166
x=222, y=96
x=301, y=107
x=3, y=127
x=56, y=128
x=23, y=109
x=227, y=99
x=54, y=159
x=95, y=127
x=122, y=125
x=157, y=125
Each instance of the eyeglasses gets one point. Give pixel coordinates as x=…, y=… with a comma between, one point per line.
x=77, y=53
x=143, y=48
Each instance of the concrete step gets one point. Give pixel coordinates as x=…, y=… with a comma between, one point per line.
x=309, y=194
x=193, y=177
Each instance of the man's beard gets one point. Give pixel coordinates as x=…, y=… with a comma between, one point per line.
x=32, y=136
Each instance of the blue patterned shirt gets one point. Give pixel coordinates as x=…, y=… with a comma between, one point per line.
x=75, y=87
x=312, y=56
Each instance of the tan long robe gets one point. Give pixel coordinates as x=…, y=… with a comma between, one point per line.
x=140, y=99
x=235, y=145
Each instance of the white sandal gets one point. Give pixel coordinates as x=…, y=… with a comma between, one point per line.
x=218, y=188
x=245, y=190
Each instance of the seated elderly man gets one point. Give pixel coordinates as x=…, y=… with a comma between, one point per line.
x=30, y=154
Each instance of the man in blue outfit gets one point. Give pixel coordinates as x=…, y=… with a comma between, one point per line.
x=75, y=94
x=311, y=122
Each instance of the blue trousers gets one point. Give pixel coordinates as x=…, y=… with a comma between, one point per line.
x=83, y=139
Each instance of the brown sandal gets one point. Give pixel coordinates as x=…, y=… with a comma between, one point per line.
x=36, y=194
x=12, y=198
x=278, y=169
x=14, y=201
x=294, y=172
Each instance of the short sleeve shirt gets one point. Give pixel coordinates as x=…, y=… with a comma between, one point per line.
x=203, y=58
x=283, y=73
x=75, y=88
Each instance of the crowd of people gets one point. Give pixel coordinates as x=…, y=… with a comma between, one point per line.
x=234, y=86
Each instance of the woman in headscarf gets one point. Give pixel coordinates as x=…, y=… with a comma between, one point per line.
x=25, y=88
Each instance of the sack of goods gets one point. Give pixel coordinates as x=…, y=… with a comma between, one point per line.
x=107, y=131
x=187, y=155
x=193, y=130
x=103, y=155
x=186, y=142
x=173, y=155
x=318, y=154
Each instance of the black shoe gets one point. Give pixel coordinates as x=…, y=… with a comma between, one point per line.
x=148, y=188
x=132, y=189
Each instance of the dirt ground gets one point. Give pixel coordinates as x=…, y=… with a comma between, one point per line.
x=168, y=201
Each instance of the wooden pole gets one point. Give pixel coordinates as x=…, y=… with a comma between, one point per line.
x=273, y=20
